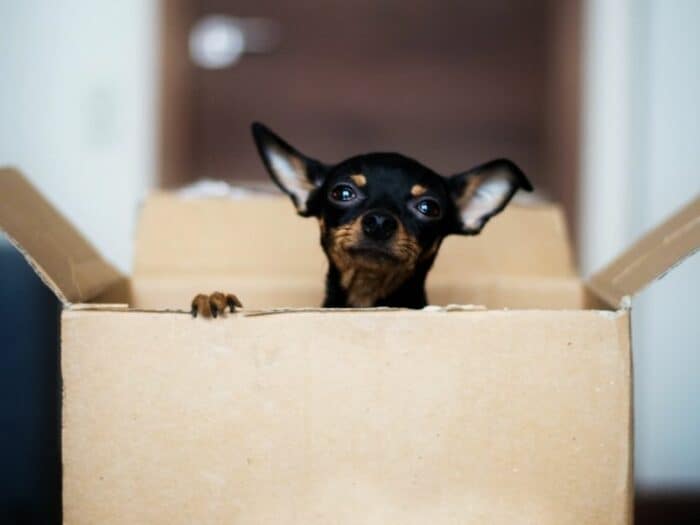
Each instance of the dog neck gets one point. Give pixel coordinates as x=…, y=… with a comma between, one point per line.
x=364, y=288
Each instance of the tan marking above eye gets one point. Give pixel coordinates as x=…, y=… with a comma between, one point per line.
x=359, y=179
x=417, y=190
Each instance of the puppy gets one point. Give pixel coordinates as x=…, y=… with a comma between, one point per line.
x=382, y=218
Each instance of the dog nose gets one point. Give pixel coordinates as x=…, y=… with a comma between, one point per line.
x=379, y=225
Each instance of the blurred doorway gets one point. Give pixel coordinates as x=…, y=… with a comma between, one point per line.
x=450, y=83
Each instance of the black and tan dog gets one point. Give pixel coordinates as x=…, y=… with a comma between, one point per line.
x=382, y=218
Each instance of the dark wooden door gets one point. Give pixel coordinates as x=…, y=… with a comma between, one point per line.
x=451, y=83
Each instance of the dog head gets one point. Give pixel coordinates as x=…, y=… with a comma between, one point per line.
x=385, y=213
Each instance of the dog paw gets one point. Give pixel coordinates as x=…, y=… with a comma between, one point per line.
x=214, y=304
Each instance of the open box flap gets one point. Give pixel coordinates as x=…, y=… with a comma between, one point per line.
x=650, y=257
x=262, y=237
x=63, y=259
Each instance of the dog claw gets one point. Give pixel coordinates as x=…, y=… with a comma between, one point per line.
x=214, y=304
x=233, y=302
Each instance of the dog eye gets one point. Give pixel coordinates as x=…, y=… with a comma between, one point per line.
x=343, y=193
x=429, y=208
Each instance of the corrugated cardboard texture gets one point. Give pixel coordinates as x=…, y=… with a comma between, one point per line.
x=64, y=260
x=651, y=256
x=261, y=250
x=346, y=418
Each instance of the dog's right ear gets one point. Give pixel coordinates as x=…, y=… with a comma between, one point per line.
x=296, y=174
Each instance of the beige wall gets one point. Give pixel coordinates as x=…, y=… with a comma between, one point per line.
x=77, y=108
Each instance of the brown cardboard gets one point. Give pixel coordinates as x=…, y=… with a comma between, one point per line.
x=64, y=260
x=347, y=417
x=281, y=415
x=650, y=257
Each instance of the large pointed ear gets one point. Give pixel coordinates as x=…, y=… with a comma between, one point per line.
x=483, y=191
x=296, y=174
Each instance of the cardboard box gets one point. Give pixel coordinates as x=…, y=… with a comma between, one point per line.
x=286, y=413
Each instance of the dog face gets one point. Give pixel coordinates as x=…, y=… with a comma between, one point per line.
x=383, y=214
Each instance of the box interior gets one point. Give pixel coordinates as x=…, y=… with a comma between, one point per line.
x=261, y=250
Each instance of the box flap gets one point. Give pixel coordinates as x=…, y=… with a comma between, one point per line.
x=263, y=237
x=650, y=257
x=62, y=258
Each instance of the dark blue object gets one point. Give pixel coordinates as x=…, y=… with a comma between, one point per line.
x=30, y=466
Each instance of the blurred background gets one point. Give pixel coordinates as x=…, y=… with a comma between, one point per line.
x=597, y=100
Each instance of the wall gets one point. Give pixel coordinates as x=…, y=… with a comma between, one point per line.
x=641, y=159
x=77, y=108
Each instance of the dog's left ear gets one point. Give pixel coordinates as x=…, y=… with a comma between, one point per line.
x=296, y=174
x=483, y=191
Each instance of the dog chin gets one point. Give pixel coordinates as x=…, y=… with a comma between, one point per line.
x=372, y=256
